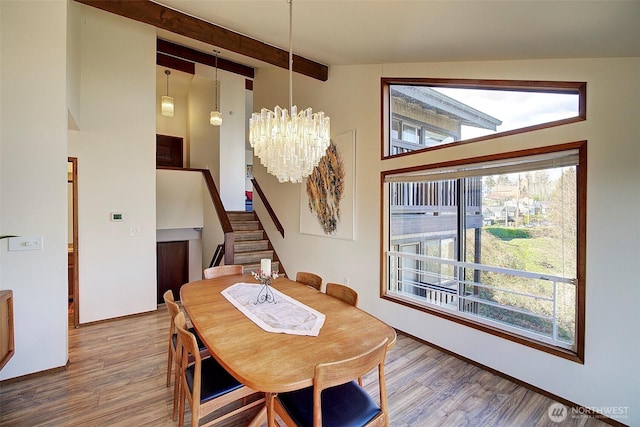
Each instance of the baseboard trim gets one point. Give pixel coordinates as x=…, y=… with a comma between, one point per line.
x=582, y=410
x=35, y=374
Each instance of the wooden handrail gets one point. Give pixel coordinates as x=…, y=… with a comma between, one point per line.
x=267, y=206
x=227, y=229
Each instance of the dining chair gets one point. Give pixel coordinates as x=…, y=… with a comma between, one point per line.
x=174, y=309
x=336, y=399
x=223, y=270
x=206, y=384
x=309, y=279
x=346, y=294
x=343, y=292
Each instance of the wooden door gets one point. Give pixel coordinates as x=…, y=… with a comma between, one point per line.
x=173, y=267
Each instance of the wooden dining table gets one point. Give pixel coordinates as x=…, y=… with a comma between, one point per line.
x=276, y=362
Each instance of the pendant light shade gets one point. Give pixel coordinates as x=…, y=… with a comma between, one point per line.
x=215, y=117
x=289, y=145
x=167, y=101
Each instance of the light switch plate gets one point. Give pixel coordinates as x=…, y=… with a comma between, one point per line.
x=25, y=243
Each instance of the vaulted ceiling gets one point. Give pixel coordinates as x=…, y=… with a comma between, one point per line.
x=347, y=32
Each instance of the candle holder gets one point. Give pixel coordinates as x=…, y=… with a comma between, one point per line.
x=265, y=294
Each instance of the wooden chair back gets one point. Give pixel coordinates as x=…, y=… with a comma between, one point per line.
x=342, y=371
x=172, y=359
x=171, y=308
x=189, y=356
x=343, y=292
x=309, y=279
x=186, y=352
x=327, y=375
x=223, y=270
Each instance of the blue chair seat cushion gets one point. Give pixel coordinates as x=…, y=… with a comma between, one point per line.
x=346, y=405
x=215, y=380
x=201, y=345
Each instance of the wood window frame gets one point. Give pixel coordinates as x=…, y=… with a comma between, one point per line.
x=579, y=88
x=576, y=355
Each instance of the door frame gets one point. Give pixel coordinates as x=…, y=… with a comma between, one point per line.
x=74, y=185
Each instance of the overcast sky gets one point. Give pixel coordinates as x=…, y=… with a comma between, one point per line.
x=514, y=109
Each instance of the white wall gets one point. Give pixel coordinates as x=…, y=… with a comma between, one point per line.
x=220, y=149
x=204, y=138
x=179, y=212
x=610, y=375
x=116, y=166
x=232, y=140
x=179, y=199
x=73, y=64
x=33, y=179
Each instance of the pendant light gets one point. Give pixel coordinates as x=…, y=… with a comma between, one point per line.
x=167, y=101
x=216, y=116
x=289, y=146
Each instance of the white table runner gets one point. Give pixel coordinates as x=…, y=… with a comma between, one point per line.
x=286, y=315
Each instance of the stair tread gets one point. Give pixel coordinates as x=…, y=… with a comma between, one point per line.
x=261, y=252
x=251, y=242
x=258, y=244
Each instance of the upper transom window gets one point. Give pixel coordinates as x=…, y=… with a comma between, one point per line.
x=423, y=114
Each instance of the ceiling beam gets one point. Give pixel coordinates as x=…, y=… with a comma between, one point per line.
x=175, y=63
x=192, y=55
x=177, y=22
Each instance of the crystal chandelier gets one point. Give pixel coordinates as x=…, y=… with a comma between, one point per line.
x=216, y=116
x=167, y=101
x=289, y=146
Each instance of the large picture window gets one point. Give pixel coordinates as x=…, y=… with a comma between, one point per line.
x=494, y=243
x=426, y=114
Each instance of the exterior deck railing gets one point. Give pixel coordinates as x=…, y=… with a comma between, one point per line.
x=442, y=284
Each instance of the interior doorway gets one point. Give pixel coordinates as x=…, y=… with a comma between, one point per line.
x=173, y=267
x=72, y=247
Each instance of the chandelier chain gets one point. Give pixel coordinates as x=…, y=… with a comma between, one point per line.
x=217, y=52
x=167, y=72
x=290, y=54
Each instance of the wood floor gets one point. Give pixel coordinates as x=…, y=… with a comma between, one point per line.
x=117, y=371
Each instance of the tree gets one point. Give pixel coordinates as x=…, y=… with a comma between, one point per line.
x=563, y=215
x=540, y=185
x=503, y=180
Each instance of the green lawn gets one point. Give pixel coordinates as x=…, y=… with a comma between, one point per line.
x=533, y=250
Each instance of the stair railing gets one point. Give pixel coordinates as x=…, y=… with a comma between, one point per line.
x=227, y=229
x=217, y=256
x=268, y=207
x=229, y=238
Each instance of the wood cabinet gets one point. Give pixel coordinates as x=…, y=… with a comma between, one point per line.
x=6, y=327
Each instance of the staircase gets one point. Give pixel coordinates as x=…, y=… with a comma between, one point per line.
x=251, y=242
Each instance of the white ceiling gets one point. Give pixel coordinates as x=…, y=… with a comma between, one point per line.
x=347, y=32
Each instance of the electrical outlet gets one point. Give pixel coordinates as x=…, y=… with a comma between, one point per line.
x=134, y=231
